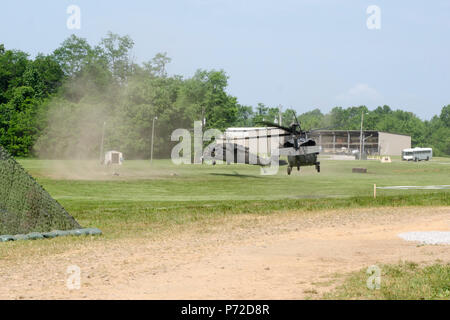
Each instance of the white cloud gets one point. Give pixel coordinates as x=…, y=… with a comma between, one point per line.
x=360, y=94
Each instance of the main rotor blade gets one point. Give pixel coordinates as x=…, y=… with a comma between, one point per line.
x=265, y=136
x=296, y=119
x=318, y=129
x=275, y=125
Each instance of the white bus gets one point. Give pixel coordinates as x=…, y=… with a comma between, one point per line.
x=417, y=154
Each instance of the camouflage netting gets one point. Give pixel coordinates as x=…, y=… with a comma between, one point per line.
x=24, y=205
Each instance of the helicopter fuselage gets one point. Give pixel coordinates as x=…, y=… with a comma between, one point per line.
x=305, y=158
x=302, y=161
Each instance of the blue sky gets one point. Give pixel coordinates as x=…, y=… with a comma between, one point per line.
x=303, y=54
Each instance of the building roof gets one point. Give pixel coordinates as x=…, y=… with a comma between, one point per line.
x=358, y=131
x=417, y=149
x=243, y=129
x=247, y=129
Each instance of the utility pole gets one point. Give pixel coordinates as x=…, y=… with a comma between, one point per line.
x=101, y=145
x=361, y=136
x=153, y=136
x=364, y=142
x=280, y=114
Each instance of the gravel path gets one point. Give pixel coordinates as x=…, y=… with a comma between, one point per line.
x=286, y=255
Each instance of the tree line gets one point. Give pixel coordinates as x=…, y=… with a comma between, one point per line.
x=60, y=105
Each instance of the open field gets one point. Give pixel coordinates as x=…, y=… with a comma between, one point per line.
x=289, y=255
x=226, y=231
x=138, y=181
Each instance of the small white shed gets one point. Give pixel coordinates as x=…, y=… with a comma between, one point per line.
x=113, y=157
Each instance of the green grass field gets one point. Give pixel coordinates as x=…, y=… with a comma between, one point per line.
x=146, y=201
x=163, y=181
x=150, y=197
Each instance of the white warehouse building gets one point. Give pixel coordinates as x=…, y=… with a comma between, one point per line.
x=330, y=141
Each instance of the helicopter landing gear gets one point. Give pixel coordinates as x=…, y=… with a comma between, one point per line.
x=318, y=167
x=289, y=170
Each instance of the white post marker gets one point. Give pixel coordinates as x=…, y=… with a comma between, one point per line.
x=153, y=134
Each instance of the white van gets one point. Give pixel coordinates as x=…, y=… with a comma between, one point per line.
x=417, y=154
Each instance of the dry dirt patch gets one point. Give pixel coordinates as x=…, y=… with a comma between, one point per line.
x=280, y=256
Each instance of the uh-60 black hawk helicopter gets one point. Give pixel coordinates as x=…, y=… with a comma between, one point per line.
x=299, y=149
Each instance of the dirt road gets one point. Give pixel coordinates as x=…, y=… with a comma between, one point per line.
x=280, y=256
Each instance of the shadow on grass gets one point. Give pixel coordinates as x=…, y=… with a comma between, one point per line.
x=236, y=175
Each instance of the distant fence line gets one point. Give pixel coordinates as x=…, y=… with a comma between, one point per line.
x=435, y=187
